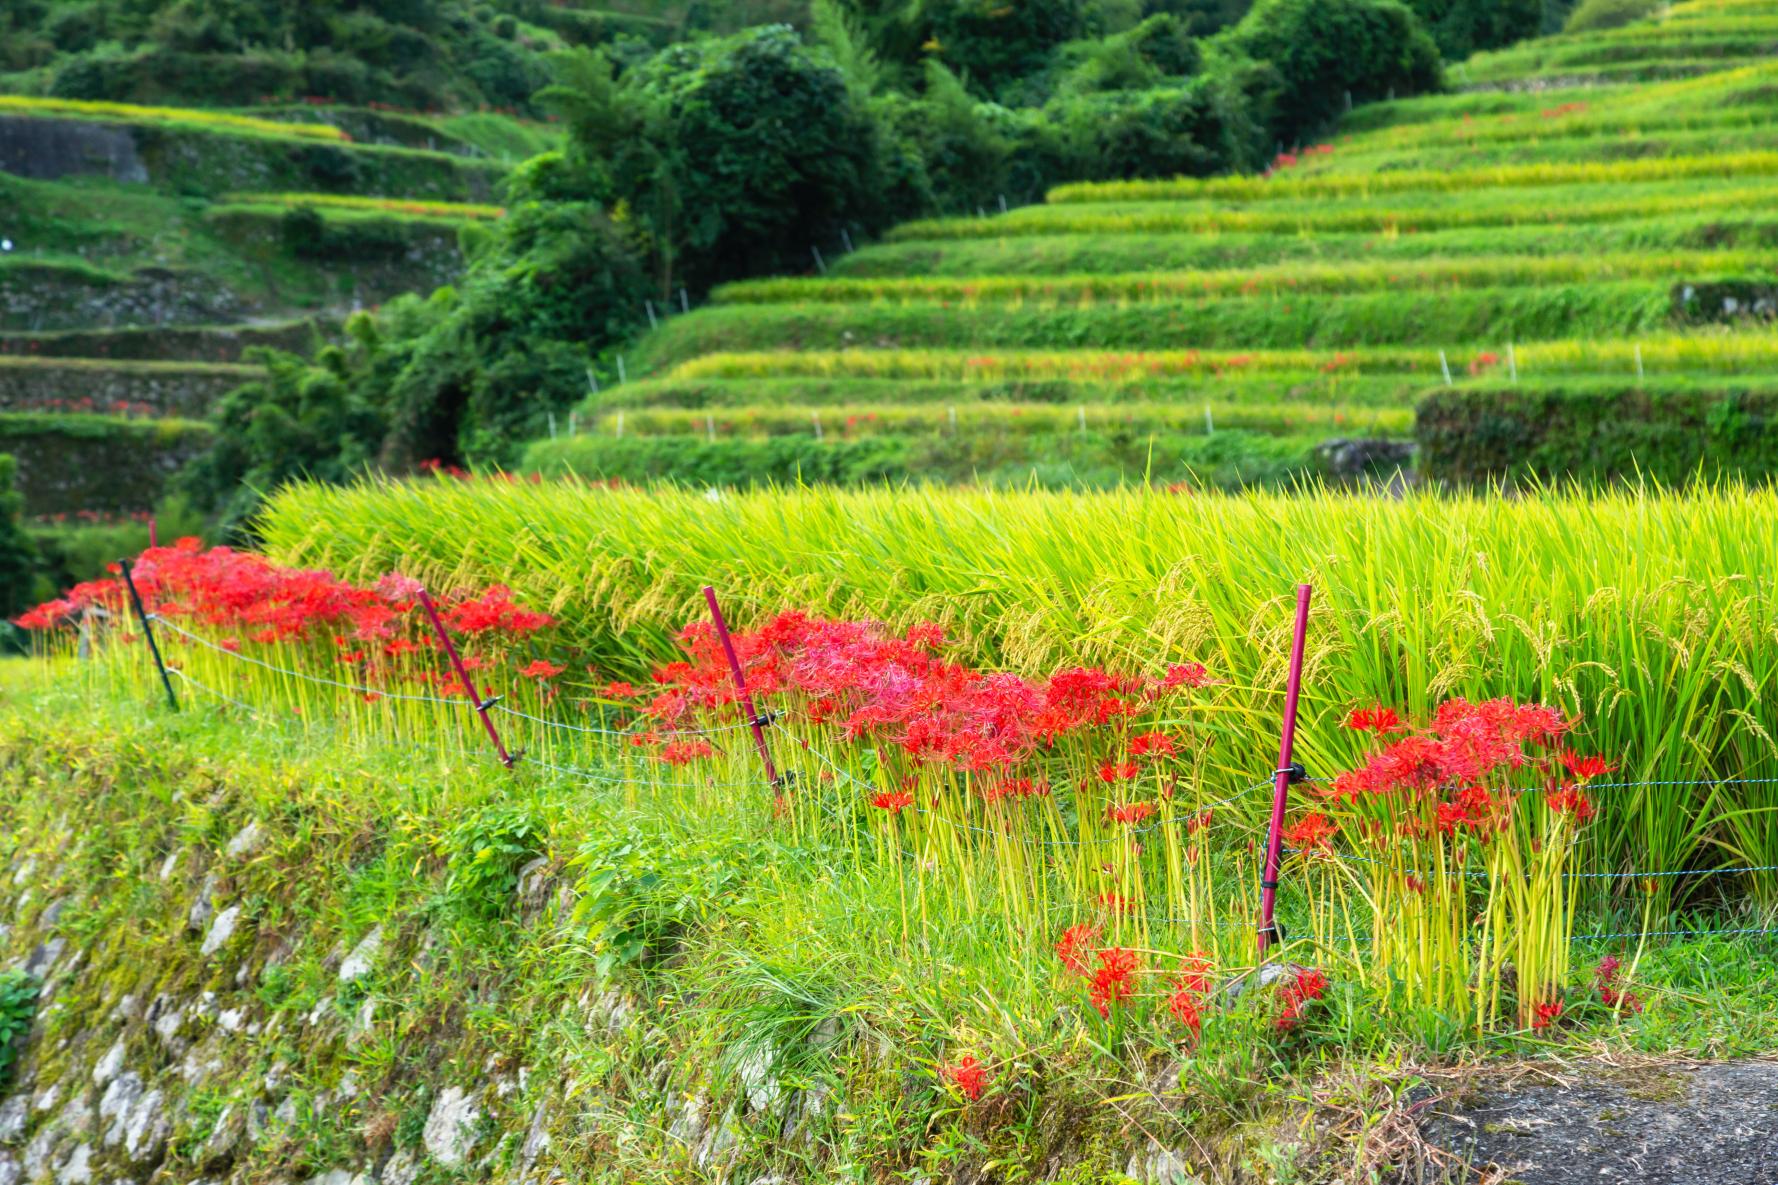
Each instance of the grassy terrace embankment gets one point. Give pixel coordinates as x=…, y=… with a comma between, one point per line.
x=1612, y=205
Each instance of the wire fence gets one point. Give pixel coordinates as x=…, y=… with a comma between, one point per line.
x=1199, y=814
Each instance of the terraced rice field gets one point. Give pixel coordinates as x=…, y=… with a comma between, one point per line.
x=1582, y=213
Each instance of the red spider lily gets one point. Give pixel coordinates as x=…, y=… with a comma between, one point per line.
x=1072, y=947
x=1187, y=1009
x=1466, y=745
x=1133, y=812
x=1112, y=902
x=893, y=801
x=895, y=691
x=619, y=691
x=1547, y=1015
x=1585, y=768
x=1117, y=771
x=1570, y=801
x=969, y=1076
x=237, y=591
x=685, y=752
x=1605, y=980
x=1378, y=720
x=541, y=669
x=494, y=610
x=1016, y=788
x=1151, y=744
x=1112, y=981
x=1189, y=987
x=1312, y=831
x=1307, y=986
x=1189, y=674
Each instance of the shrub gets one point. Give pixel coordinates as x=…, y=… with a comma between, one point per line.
x=1598, y=433
x=726, y=157
x=484, y=855
x=18, y=1001
x=18, y=575
x=1592, y=15
x=1322, y=50
x=1461, y=27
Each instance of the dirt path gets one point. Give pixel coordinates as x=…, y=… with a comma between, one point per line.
x=1649, y=1124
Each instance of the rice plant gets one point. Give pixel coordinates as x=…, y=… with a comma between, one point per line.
x=197, y=117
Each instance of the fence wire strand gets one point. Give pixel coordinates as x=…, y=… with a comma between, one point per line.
x=1198, y=814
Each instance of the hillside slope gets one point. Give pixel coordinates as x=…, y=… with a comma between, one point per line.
x=1564, y=267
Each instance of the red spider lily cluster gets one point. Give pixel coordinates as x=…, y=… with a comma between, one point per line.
x=1605, y=982
x=1190, y=985
x=896, y=692
x=1304, y=987
x=969, y=1076
x=237, y=598
x=1463, y=766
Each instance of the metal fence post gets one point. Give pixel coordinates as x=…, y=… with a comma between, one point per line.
x=754, y=720
x=481, y=705
x=129, y=581
x=1285, y=774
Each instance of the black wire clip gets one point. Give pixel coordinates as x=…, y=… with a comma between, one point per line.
x=1294, y=773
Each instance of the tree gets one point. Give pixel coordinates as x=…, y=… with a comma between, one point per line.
x=18, y=554
x=1324, y=50
x=727, y=158
x=1462, y=27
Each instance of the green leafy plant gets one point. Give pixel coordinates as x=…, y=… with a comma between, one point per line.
x=18, y=1003
x=484, y=854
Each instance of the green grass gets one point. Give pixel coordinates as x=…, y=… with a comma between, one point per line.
x=694, y=910
x=860, y=419
x=1595, y=267
x=1437, y=212
x=1495, y=315
x=1060, y=255
x=1104, y=457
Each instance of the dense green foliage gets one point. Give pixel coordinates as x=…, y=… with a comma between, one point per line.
x=221, y=52
x=18, y=591
x=723, y=158
x=1597, y=432
x=1326, y=52
x=1592, y=15
x=18, y=1002
x=1461, y=27
x=1077, y=460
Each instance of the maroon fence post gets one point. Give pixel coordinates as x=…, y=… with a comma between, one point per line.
x=481, y=705
x=1285, y=774
x=734, y=665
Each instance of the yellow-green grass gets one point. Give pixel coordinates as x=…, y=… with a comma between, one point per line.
x=1333, y=386
x=1648, y=615
x=1060, y=255
x=1316, y=216
x=1717, y=353
x=134, y=365
x=1277, y=280
x=1456, y=153
x=851, y=421
x=1345, y=321
x=1286, y=186
x=1571, y=55
x=421, y=208
x=132, y=113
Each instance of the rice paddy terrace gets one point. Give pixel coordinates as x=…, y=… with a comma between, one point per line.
x=1561, y=266
x=147, y=248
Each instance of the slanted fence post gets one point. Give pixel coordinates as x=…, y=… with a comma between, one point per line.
x=1285, y=774
x=481, y=705
x=754, y=720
